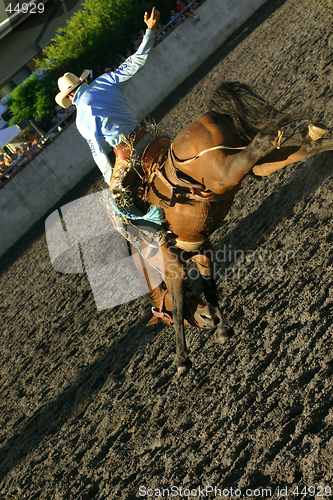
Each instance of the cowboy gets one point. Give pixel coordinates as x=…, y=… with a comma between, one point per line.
x=103, y=112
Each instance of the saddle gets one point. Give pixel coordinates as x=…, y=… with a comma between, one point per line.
x=154, y=155
x=171, y=186
x=122, y=150
x=179, y=185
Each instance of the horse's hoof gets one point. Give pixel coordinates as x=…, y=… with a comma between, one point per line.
x=183, y=367
x=316, y=132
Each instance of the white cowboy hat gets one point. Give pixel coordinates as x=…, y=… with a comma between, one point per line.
x=67, y=84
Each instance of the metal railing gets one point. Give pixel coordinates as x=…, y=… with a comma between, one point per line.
x=174, y=22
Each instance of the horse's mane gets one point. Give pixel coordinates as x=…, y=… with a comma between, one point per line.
x=249, y=112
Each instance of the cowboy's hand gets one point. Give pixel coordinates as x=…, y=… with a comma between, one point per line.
x=153, y=20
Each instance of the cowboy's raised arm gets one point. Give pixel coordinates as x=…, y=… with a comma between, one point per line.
x=137, y=60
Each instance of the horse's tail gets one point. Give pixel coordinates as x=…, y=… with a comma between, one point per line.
x=249, y=112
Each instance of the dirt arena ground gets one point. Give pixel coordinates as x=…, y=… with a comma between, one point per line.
x=91, y=407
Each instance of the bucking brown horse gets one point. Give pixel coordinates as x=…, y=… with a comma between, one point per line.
x=194, y=180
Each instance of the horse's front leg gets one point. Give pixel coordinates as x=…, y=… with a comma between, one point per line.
x=174, y=269
x=205, y=266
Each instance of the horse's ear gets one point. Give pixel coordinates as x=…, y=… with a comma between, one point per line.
x=153, y=321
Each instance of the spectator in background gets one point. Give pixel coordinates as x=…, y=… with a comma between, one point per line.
x=8, y=161
x=137, y=41
x=179, y=7
x=23, y=159
x=18, y=158
x=5, y=177
x=193, y=5
x=161, y=32
x=45, y=125
x=31, y=136
x=136, y=44
x=121, y=59
x=32, y=150
x=110, y=70
x=4, y=165
x=63, y=113
x=176, y=18
x=18, y=153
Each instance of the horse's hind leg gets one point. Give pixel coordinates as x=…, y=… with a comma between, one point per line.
x=316, y=131
x=311, y=132
x=174, y=280
x=264, y=155
x=289, y=154
x=205, y=267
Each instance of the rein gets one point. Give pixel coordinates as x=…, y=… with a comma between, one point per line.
x=198, y=190
x=188, y=160
x=214, y=148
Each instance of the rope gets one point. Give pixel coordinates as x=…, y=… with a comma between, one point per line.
x=214, y=148
x=220, y=146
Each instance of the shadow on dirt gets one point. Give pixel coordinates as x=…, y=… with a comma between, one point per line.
x=278, y=206
x=74, y=400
